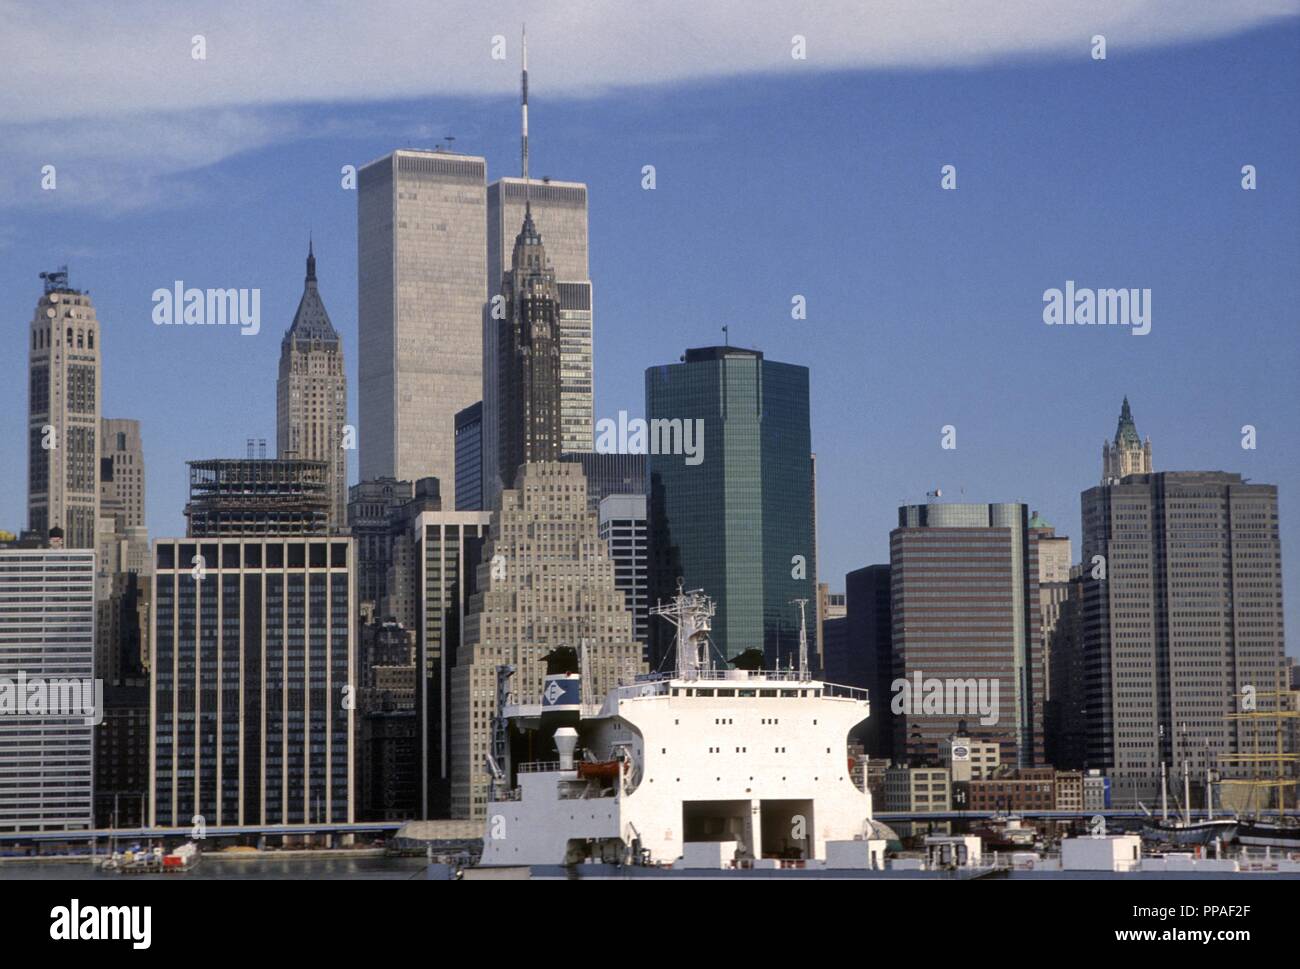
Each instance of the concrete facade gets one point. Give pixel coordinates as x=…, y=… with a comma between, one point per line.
x=421, y=290
x=64, y=386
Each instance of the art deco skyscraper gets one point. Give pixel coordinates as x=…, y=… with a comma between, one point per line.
x=528, y=370
x=545, y=580
x=1128, y=453
x=311, y=395
x=559, y=211
x=421, y=289
x=63, y=414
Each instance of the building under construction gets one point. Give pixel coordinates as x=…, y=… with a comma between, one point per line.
x=257, y=496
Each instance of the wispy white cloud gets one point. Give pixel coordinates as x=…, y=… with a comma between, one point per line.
x=114, y=163
x=94, y=59
x=114, y=91
x=130, y=162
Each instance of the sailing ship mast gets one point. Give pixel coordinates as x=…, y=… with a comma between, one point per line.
x=1258, y=709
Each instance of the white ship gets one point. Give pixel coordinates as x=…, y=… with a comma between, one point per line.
x=702, y=767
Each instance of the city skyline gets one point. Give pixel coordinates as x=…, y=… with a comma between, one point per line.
x=591, y=442
x=969, y=321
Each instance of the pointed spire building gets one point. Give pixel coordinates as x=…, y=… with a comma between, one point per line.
x=1127, y=453
x=529, y=364
x=312, y=393
x=559, y=211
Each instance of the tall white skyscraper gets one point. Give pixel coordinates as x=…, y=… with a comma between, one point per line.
x=46, y=754
x=63, y=414
x=421, y=289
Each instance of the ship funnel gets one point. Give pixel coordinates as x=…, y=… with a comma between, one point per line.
x=566, y=738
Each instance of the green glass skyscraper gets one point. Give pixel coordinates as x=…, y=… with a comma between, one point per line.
x=735, y=517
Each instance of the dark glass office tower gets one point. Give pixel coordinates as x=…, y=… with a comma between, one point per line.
x=862, y=656
x=735, y=517
x=469, y=458
x=253, y=666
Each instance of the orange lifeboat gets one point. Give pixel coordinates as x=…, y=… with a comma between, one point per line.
x=604, y=770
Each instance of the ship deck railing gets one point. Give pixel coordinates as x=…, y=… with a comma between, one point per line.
x=750, y=679
x=540, y=767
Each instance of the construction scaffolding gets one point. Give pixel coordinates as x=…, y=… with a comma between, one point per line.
x=257, y=496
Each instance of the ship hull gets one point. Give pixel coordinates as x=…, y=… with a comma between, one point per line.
x=1264, y=835
x=1196, y=833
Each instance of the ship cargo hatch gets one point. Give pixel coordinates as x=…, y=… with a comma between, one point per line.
x=720, y=821
x=787, y=828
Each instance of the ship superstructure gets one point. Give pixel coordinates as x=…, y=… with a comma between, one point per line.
x=746, y=766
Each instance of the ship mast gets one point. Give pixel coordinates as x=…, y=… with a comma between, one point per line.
x=803, y=639
x=1164, y=794
x=1277, y=706
x=692, y=614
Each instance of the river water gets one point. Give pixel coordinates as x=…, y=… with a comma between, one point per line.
x=213, y=868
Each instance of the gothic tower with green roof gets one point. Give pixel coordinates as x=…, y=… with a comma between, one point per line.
x=1128, y=453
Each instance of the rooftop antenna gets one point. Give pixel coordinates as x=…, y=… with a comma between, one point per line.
x=58, y=279
x=692, y=614
x=803, y=638
x=523, y=141
x=726, y=336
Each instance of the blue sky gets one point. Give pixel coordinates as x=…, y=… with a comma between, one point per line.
x=818, y=178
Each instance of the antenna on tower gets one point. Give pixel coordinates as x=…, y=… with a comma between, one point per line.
x=692, y=614
x=803, y=638
x=523, y=142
